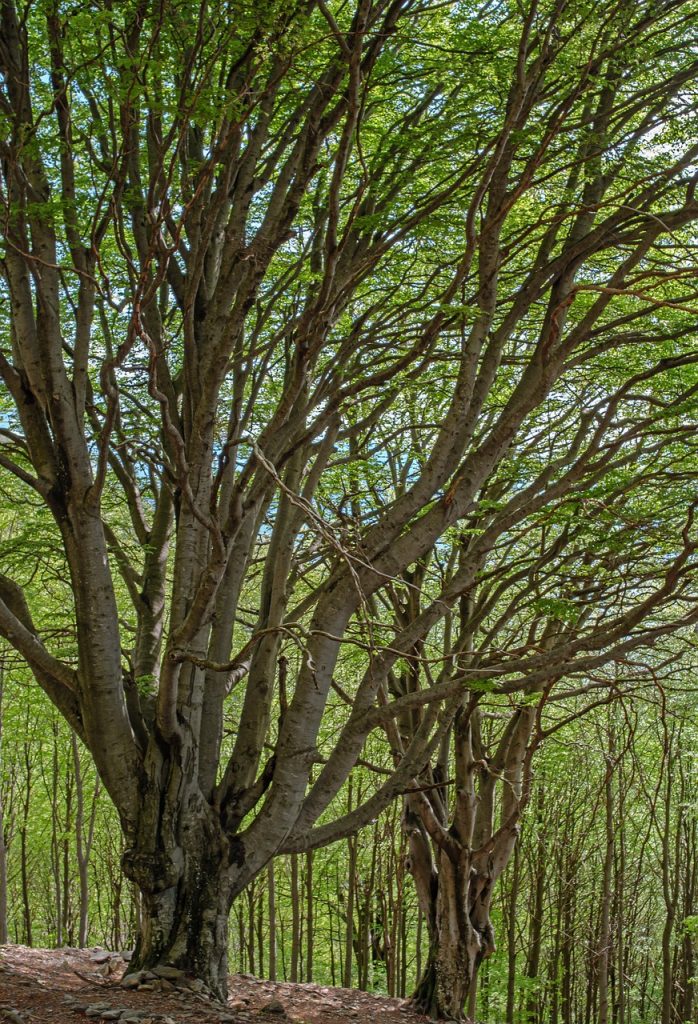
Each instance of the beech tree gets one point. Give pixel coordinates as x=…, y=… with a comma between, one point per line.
x=549, y=583
x=254, y=253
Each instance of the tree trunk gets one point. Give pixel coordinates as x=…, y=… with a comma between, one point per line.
x=3, y=880
x=251, y=951
x=55, y=848
x=455, y=867
x=310, y=915
x=669, y=889
x=511, y=938
x=568, y=929
x=456, y=948
x=351, y=898
x=606, y=898
x=24, y=863
x=271, y=904
x=185, y=895
x=295, y=919
x=536, y=927
x=83, y=844
x=260, y=928
x=3, y=848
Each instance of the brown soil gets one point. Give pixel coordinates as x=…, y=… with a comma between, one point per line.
x=40, y=986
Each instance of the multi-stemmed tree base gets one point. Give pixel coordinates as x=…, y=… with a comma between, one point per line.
x=188, y=931
x=459, y=942
x=185, y=900
x=433, y=995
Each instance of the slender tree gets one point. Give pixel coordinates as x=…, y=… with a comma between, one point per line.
x=3, y=845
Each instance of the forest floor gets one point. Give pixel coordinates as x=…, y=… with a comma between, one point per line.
x=40, y=986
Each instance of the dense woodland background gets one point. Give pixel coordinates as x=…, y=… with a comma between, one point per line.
x=601, y=892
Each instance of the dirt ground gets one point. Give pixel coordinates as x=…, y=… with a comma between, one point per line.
x=39, y=986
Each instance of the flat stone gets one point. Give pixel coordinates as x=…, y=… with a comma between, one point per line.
x=274, y=1006
x=112, y=1014
x=132, y=980
x=170, y=973
x=101, y=956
